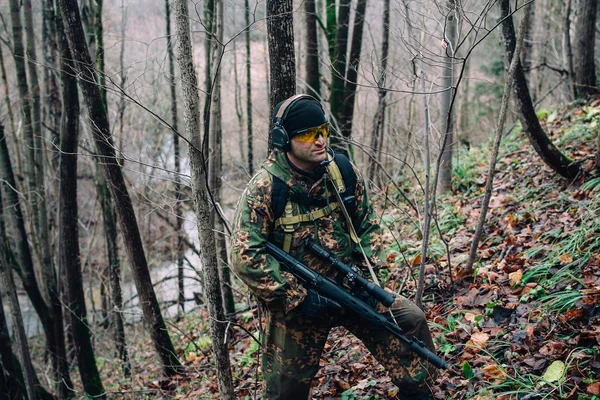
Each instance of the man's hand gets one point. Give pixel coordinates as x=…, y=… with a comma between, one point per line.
x=314, y=304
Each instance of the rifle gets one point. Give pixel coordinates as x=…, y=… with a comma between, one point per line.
x=331, y=290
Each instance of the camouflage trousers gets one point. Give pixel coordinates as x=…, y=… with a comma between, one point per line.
x=294, y=343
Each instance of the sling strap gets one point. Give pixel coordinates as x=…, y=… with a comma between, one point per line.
x=286, y=205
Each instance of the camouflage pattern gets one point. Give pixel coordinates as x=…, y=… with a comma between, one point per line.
x=294, y=342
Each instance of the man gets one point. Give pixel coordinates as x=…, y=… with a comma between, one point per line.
x=290, y=199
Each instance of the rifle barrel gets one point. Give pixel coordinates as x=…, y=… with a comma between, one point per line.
x=330, y=289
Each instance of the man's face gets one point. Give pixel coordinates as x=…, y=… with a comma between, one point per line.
x=307, y=155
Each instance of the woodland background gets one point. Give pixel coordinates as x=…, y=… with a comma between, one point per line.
x=128, y=131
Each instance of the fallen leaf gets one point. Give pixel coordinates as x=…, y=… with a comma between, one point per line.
x=470, y=317
x=416, y=260
x=515, y=277
x=565, y=258
x=479, y=339
x=553, y=373
x=593, y=389
x=493, y=372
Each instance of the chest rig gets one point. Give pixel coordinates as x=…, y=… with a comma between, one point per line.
x=286, y=205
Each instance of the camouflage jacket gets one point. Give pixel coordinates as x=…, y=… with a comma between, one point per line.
x=254, y=224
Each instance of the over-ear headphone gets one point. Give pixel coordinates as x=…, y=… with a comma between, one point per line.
x=279, y=136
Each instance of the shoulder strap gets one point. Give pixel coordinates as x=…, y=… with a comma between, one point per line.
x=342, y=164
x=280, y=196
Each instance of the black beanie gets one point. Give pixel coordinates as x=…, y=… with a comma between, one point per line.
x=304, y=114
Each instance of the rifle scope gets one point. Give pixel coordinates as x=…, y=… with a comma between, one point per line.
x=385, y=298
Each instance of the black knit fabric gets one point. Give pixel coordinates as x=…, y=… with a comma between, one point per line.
x=303, y=114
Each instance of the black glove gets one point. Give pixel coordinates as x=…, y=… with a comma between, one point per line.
x=367, y=298
x=314, y=304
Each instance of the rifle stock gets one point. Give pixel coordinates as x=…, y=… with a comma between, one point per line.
x=329, y=288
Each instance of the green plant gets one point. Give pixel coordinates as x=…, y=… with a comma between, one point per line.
x=349, y=394
x=592, y=184
x=248, y=357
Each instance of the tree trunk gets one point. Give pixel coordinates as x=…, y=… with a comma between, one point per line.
x=381, y=106
x=26, y=105
x=585, y=30
x=313, y=77
x=338, y=74
x=99, y=58
x=545, y=44
x=25, y=267
x=11, y=116
x=69, y=230
x=239, y=112
x=98, y=34
x=19, y=328
x=11, y=291
x=531, y=126
x=412, y=40
x=38, y=160
x=123, y=78
x=177, y=161
x=527, y=54
x=126, y=216
x=216, y=167
x=352, y=74
x=249, y=90
x=52, y=106
x=40, y=217
x=9, y=374
x=200, y=194
x=489, y=185
x=109, y=221
x=447, y=98
x=280, y=34
x=567, y=50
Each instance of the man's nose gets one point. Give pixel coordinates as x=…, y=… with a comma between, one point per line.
x=320, y=140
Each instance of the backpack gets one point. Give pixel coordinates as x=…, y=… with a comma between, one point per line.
x=285, y=207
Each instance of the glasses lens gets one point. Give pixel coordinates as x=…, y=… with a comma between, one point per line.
x=313, y=134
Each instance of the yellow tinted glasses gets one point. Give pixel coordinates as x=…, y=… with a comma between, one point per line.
x=312, y=134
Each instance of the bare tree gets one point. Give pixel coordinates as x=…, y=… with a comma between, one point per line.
x=542, y=144
x=497, y=139
x=9, y=375
x=313, y=76
x=177, y=161
x=127, y=220
x=447, y=97
x=25, y=99
x=282, y=54
x=248, y=89
x=52, y=107
x=69, y=229
x=216, y=163
x=528, y=41
x=11, y=117
x=585, y=31
x=338, y=73
x=567, y=49
x=11, y=290
x=201, y=199
x=9, y=379
x=352, y=68
x=379, y=119
x=26, y=266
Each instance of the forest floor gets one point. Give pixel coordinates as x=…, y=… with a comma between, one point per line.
x=524, y=325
